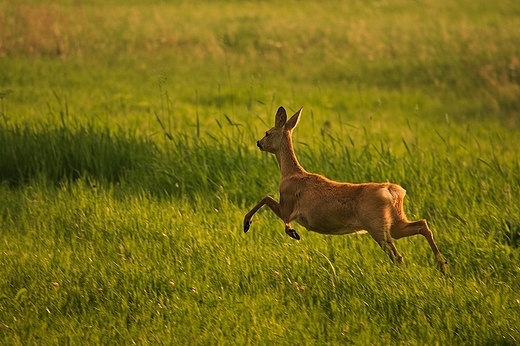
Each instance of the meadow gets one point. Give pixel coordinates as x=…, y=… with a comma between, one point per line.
x=128, y=160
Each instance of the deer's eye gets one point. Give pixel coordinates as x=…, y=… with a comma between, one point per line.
x=266, y=134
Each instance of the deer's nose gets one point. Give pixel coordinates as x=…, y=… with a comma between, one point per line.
x=258, y=144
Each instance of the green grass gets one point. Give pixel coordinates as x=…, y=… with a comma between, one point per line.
x=128, y=161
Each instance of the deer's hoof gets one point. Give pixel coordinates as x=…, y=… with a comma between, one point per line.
x=292, y=233
x=443, y=267
x=247, y=224
x=442, y=264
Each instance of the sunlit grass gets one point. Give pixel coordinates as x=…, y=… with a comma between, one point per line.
x=458, y=59
x=128, y=160
x=160, y=251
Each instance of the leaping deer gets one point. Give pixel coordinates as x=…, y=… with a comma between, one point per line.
x=329, y=207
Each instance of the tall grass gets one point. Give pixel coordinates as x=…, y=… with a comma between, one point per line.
x=128, y=160
x=108, y=262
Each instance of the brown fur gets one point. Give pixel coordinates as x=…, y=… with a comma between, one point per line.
x=329, y=207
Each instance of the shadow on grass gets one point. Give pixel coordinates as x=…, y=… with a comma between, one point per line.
x=183, y=167
x=59, y=154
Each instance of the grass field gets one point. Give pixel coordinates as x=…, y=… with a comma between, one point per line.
x=128, y=161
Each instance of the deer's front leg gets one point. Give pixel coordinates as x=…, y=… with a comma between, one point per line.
x=276, y=208
x=267, y=200
x=291, y=232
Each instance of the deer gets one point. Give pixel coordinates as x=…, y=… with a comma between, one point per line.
x=335, y=208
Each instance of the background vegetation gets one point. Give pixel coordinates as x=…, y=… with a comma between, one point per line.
x=128, y=160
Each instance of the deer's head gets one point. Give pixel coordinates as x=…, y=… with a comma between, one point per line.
x=280, y=132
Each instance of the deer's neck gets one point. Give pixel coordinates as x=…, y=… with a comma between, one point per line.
x=287, y=159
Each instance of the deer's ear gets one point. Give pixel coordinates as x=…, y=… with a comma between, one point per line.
x=291, y=123
x=280, y=118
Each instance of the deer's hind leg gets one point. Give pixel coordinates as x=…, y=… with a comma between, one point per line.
x=379, y=229
x=404, y=228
